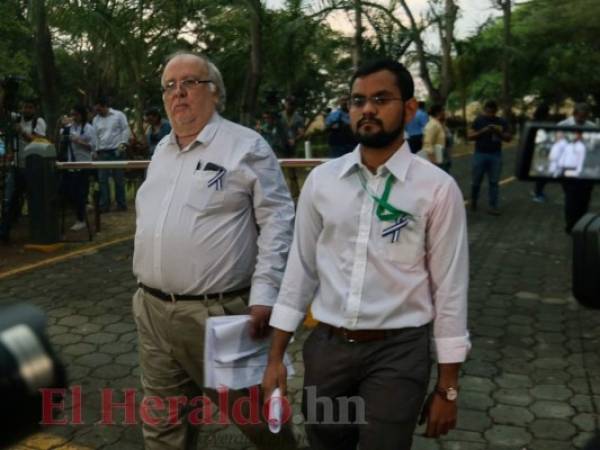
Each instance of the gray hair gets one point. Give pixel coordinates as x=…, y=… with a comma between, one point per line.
x=214, y=75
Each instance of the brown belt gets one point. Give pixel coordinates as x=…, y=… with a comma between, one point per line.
x=361, y=335
x=186, y=297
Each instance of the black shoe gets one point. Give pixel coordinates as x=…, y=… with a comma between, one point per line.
x=494, y=211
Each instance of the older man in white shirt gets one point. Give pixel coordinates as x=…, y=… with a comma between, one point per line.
x=380, y=249
x=213, y=230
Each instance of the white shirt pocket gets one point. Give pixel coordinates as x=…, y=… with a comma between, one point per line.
x=201, y=196
x=407, y=246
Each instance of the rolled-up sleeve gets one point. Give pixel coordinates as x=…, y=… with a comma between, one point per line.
x=274, y=214
x=448, y=260
x=301, y=280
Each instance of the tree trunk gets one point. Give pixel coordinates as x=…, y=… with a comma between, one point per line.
x=434, y=93
x=506, y=95
x=45, y=65
x=252, y=83
x=358, y=39
x=447, y=40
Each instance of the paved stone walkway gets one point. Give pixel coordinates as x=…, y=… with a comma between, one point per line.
x=532, y=381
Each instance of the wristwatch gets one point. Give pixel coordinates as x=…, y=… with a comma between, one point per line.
x=450, y=393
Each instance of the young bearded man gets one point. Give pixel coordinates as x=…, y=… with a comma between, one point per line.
x=380, y=251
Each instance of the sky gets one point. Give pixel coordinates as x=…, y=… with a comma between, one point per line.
x=473, y=13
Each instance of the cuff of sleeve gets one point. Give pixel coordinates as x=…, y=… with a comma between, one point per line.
x=286, y=318
x=262, y=294
x=452, y=350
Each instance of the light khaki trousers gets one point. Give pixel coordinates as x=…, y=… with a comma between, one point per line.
x=171, y=353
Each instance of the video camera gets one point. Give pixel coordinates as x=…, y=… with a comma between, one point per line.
x=568, y=154
x=27, y=364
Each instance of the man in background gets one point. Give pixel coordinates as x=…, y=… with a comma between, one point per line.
x=157, y=128
x=416, y=127
x=293, y=125
x=112, y=134
x=489, y=132
x=337, y=123
x=29, y=127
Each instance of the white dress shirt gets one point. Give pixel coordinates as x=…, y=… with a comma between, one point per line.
x=360, y=280
x=192, y=238
x=555, y=156
x=111, y=130
x=573, y=158
x=87, y=135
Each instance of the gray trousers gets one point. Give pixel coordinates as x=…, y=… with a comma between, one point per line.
x=365, y=393
x=171, y=352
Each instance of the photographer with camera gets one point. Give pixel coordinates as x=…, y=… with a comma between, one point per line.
x=29, y=127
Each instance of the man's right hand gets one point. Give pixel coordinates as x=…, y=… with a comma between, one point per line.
x=275, y=376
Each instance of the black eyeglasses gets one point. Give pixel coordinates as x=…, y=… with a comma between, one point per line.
x=184, y=85
x=359, y=101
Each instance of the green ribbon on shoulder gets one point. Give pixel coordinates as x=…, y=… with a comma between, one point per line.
x=385, y=211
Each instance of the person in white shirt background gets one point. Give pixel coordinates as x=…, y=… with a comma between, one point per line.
x=78, y=139
x=380, y=251
x=112, y=135
x=213, y=229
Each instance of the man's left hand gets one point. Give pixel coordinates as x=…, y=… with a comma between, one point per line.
x=260, y=316
x=440, y=415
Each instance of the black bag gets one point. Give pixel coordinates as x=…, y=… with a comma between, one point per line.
x=586, y=261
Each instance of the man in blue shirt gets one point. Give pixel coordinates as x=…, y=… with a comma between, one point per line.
x=341, y=139
x=488, y=131
x=157, y=129
x=416, y=127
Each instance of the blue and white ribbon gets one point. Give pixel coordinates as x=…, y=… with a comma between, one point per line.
x=394, y=230
x=217, y=180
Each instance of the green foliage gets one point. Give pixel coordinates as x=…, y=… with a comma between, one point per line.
x=117, y=48
x=16, y=40
x=554, y=55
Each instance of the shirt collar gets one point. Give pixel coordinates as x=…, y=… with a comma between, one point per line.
x=351, y=162
x=397, y=165
x=205, y=136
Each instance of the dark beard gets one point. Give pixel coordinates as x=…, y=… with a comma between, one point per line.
x=379, y=140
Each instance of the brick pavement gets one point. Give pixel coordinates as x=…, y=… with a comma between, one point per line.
x=532, y=380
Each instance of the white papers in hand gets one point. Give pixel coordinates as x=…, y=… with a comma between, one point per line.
x=275, y=411
x=231, y=357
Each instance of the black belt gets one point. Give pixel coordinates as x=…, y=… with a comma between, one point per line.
x=186, y=297
x=361, y=335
